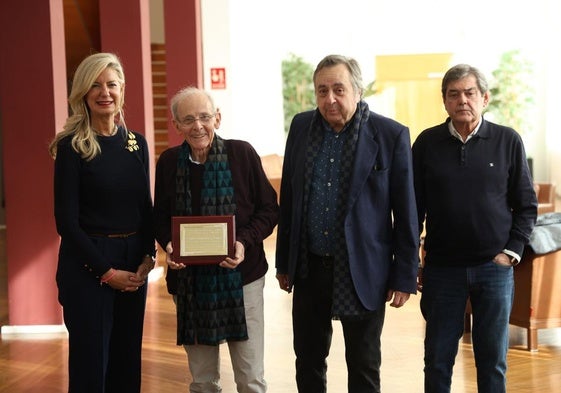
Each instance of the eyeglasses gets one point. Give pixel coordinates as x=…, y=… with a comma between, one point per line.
x=190, y=120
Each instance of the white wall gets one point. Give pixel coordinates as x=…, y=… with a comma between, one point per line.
x=250, y=38
x=236, y=38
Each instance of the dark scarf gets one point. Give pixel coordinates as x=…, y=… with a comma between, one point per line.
x=345, y=299
x=210, y=307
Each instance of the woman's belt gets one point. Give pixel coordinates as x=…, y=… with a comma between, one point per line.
x=113, y=235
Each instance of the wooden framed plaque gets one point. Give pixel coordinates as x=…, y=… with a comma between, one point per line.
x=202, y=240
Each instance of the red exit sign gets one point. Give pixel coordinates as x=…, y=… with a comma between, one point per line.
x=218, y=78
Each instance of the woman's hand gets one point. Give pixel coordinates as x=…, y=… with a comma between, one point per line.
x=148, y=263
x=122, y=280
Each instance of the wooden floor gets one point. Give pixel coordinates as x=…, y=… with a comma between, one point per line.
x=37, y=363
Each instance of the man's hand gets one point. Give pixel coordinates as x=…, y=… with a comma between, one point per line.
x=284, y=283
x=399, y=298
x=503, y=259
x=169, y=261
x=232, y=263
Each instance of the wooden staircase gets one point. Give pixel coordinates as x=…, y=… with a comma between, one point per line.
x=159, y=93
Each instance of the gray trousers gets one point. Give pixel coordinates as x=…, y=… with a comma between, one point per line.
x=247, y=357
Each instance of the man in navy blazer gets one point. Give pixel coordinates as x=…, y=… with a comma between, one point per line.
x=347, y=238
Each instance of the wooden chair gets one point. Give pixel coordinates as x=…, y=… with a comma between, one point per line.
x=272, y=165
x=537, y=300
x=546, y=197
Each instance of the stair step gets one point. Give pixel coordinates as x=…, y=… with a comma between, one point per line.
x=159, y=99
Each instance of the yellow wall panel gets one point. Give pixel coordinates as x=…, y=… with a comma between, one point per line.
x=415, y=81
x=412, y=67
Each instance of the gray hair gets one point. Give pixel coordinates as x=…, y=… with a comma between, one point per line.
x=461, y=71
x=350, y=63
x=186, y=92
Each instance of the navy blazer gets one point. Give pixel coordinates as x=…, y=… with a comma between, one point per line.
x=381, y=226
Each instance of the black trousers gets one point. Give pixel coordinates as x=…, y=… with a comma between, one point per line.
x=313, y=330
x=104, y=325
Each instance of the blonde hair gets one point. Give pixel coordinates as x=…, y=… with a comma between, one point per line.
x=84, y=139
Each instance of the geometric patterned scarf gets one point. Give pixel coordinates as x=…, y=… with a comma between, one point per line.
x=345, y=299
x=210, y=307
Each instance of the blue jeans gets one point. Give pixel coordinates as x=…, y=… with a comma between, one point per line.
x=490, y=288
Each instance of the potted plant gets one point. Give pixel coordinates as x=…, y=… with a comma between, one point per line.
x=512, y=96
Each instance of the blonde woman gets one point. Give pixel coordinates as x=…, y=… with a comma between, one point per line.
x=103, y=212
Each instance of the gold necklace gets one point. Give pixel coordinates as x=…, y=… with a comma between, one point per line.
x=111, y=133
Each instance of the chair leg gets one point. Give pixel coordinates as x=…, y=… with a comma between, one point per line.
x=532, y=339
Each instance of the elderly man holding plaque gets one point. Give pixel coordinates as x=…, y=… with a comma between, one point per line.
x=213, y=207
